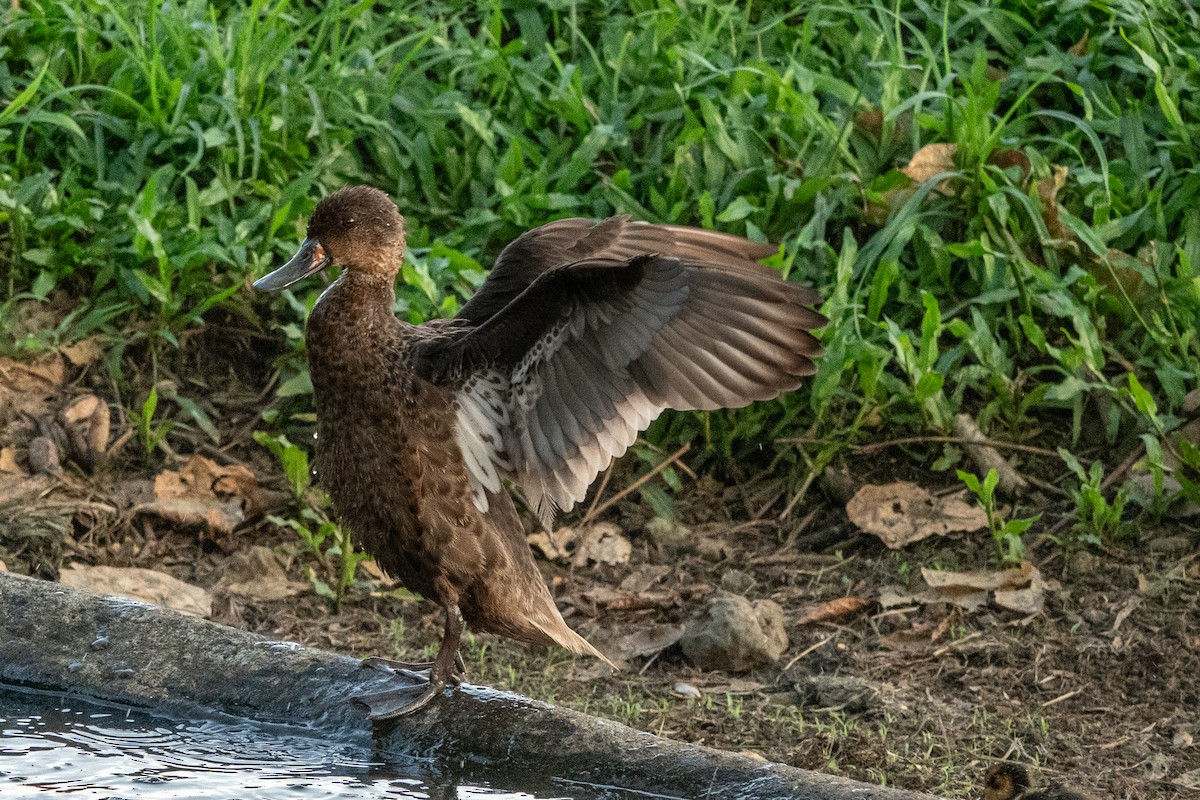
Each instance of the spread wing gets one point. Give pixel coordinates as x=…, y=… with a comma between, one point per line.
x=585, y=332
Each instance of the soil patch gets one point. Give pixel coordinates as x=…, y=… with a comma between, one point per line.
x=880, y=679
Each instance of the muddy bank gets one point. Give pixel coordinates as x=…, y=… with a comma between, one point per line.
x=53, y=637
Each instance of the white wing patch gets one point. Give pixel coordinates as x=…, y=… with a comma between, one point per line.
x=483, y=417
x=571, y=405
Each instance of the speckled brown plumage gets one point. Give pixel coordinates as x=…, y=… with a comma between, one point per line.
x=581, y=335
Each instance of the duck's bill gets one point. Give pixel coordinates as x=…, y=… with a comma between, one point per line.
x=310, y=258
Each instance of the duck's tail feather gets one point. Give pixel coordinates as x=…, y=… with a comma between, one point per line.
x=558, y=632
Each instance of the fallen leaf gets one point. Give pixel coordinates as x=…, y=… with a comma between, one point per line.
x=3, y=566
x=1188, y=780
x=920, y=635
x=39, y=375
x=603, y=544
x=205, y=493
x=554, y=545
x=136, y=583
x=21, y=488
x=644, y=642
x=1080, y=47
x=258, y=573
x=901, y=513
x=87, y=424
x=931, y=160
x=836, y=609
x=82, y=353
x=643, y=577
x=8, y=462
x=1021, y=589
x=1006, y=159
x=1047, y=189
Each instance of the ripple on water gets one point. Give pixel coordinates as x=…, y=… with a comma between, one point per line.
x=52, y=745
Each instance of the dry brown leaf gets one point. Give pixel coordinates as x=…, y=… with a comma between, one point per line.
x=931, y=160
x=8, y=462
x=46, y=372
x=554, y=545
x=87, y=424
x=837, y=609
x=1080, y=47
x=644, y=642
x=901, y=513
x=204, y=493
x=1047, y=189
x=82, y=353
x=870, y=122
x=136, y=583
x=603, y=544
x=258, y=574
x=1006, y=159
x=1021, y=589
x=920, y=635
x=21, y=488
x=643, y=577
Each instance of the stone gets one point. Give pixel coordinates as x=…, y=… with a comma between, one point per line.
x=669, y=535
x=733, y=634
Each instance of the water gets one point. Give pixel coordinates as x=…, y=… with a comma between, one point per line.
x=51, y=746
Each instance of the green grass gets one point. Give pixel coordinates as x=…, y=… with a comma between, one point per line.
x=154, y=161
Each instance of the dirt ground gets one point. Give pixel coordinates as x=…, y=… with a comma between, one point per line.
x=1100, y=689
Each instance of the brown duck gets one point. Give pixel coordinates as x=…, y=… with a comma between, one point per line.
x=582, y=334
x=1009, y=781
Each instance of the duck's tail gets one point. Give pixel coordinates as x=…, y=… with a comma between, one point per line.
x=561, y=634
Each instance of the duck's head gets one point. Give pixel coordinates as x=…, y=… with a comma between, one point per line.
x=1005, y=781
x=357, y=228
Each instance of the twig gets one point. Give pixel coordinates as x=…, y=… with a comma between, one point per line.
x=803, y=490
x=870, y=448
x=1123, y=467
x=599, y=493
x=633, y=487
x=803, y=653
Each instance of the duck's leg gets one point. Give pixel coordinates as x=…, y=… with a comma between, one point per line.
x=393, y=703
x=417, y=670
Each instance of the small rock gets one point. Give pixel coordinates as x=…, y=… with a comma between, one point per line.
x=733, y=634
x=1083, y=562
x=686, y=690
x=737, y=582
x=669, y=535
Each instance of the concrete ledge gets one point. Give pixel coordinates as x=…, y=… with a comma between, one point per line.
x=53, y=637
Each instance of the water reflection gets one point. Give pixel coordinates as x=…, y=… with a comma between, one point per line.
x=51, y=745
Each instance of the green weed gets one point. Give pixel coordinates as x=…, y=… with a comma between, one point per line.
x=1006, y=533
x=155, y=159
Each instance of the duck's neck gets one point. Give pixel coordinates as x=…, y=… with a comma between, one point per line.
x=352, y=315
